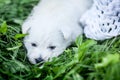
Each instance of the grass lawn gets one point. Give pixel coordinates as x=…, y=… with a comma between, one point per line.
x=85, y=60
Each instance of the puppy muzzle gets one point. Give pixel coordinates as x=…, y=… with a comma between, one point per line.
x=38, y=60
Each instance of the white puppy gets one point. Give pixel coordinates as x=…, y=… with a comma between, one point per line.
x=52, y=26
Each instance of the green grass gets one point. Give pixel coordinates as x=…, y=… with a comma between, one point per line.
x=85, y=60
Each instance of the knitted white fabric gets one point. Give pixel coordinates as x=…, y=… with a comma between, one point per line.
x=102, y=21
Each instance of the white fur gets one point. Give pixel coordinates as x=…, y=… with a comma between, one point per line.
x=53, y=23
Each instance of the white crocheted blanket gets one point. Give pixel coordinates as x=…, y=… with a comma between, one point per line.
x=102, y=21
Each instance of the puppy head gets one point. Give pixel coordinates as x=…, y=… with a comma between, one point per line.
x=44, y=45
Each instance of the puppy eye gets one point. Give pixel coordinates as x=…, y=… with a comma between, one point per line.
x=52, y=47
x=34, y=44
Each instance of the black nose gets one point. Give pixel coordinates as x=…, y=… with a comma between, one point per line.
x=39, y=60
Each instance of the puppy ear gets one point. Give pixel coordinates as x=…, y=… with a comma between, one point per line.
x=66, y=34
x=25, y=29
